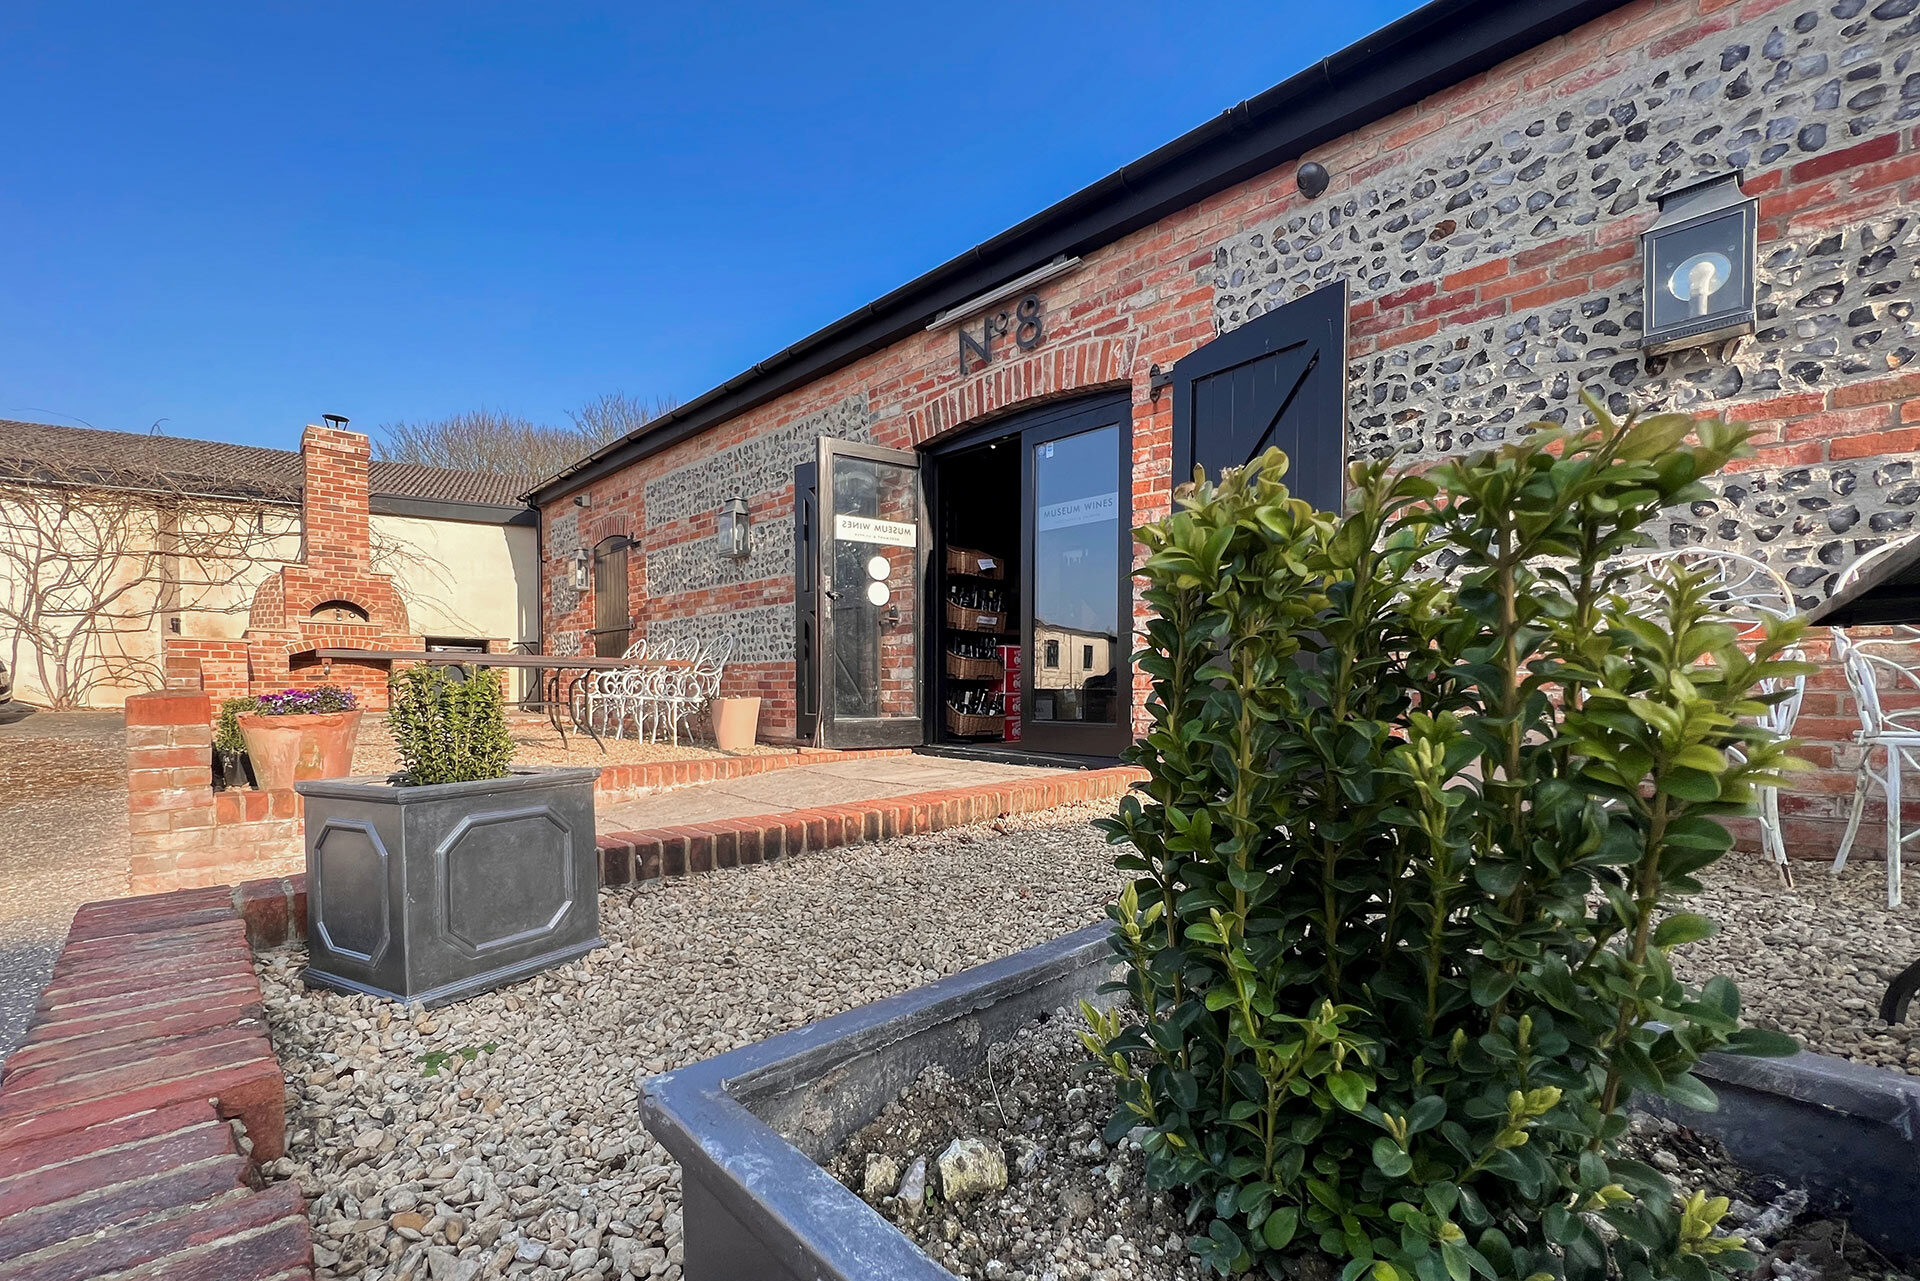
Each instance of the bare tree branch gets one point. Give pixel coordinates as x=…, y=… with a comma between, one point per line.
x=492, y=441
x=91, y=563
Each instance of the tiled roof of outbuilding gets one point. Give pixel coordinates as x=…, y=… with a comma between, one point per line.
x=220, y=468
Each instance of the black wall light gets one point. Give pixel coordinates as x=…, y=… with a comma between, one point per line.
x=1699, y=258
x=735, y=539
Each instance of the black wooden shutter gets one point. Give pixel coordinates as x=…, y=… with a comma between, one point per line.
x=1278, y=380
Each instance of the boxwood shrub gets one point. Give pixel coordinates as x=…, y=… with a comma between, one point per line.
x=1425, y=798
x=448, y=726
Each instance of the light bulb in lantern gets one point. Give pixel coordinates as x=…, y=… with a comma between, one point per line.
x=1695, y=281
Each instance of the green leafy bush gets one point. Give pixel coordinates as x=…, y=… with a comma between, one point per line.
x=447, y=727
x=226, y=734
x=1424, y=793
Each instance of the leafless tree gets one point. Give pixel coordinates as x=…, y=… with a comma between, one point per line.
x=92, y=563
x=492, y=441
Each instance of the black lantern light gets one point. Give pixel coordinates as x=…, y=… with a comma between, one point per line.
x=1699, y=265
x=735, y=538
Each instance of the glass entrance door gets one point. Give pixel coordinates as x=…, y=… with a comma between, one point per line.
x=872, y=533
x=1077, y=531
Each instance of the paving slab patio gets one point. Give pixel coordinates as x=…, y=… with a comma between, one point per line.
x=808, y=786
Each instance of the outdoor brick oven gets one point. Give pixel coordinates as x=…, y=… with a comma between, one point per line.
x=331, y=598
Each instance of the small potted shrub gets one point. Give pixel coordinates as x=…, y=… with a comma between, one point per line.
x=459, y=872
x=299, y=734
x=230, y=745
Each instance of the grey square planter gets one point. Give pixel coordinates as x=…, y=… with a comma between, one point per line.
x=431, y=894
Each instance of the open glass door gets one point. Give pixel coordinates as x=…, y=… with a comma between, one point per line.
x=1077, y=696
x=872, y=529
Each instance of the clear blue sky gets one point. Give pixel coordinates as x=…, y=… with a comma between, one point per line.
x=236, y=218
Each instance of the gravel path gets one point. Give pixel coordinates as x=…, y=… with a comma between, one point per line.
x=1813, y=960
x=63, y=840
x=527, y=1157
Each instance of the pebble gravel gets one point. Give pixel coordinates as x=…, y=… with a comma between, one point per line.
x=1813, y=960
x=63, y=840
x=500, y=1136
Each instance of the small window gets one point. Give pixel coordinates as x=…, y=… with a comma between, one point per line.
x=1053, y=653
x=1086, y=656
x=339, y=611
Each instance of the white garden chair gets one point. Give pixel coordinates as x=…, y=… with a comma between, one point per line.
x=1747, y=592
x=1873, y=666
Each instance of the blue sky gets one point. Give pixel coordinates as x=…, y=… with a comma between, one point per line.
x=236, y=218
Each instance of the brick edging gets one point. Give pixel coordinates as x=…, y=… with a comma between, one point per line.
x=117, y=1150
x=687, y=849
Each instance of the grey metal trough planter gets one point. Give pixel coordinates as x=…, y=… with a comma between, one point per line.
x=750, y=1128
x=1838, y=1128
x=431, y=894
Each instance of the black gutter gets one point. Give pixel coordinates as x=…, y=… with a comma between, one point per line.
x=1437, y=45
x=453, y=509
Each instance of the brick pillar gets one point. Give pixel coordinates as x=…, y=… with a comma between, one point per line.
x=334, y=502
x=169, y=784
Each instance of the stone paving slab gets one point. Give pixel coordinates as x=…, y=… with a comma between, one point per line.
x=812, y=787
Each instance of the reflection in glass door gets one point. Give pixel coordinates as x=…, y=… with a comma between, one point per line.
x=1079, y=545
x=871, y=525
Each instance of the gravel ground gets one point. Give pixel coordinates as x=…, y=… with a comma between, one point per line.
x=63, y=840
x=1069, y=1207
x=536, y=743
x=522, y=1152
x=1813, y=960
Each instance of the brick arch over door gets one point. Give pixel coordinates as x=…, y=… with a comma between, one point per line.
x=1071, y=369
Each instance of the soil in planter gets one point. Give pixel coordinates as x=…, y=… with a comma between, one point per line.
x=1076, y=1207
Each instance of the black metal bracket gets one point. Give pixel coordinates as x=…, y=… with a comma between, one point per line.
x=1157, y=379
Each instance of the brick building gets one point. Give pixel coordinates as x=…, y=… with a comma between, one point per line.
x=1473, y=262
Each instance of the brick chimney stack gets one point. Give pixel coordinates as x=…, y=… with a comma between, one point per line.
x=335, y=499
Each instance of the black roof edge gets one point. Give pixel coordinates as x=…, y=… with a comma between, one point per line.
x=452, y=509
x=1437, y=45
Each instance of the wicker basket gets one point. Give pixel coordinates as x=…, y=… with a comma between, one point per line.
x=965, y=560
x=975, y=726
x=961, y=619
x=974, y=669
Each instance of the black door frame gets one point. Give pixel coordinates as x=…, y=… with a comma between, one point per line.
x=1031, y=427
x=888, y=731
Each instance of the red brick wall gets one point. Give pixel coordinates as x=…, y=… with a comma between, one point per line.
x=181, y=834
x=1675, y=82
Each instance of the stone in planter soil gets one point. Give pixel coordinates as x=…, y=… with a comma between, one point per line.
x=1077, y=1207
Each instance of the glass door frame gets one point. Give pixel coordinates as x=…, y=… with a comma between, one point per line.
x=1073, y=419
x=888, y=731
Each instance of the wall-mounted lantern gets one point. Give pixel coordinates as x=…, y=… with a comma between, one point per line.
x=1699, y=265
x=736, y=538
x=582, y=569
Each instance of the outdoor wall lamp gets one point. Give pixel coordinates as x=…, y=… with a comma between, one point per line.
x=735, y=534
x=1699, y=265
x=582, y=569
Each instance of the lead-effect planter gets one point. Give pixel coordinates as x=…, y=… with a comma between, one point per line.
x=431, y=894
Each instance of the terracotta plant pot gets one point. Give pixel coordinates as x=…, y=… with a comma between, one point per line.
x=290, y=749
x=736, y=723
